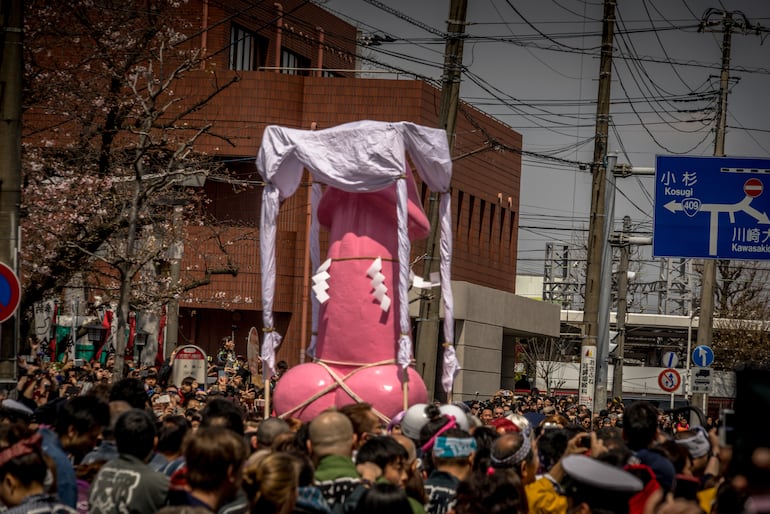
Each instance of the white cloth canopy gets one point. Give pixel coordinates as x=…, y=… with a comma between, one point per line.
x=363, y=156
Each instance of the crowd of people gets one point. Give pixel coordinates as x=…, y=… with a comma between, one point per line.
x=535, y=406
x=74, y=440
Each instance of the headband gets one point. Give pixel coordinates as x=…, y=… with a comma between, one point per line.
x=514, y=458
x=23, y=447
x=448, y=447
x=451, y=424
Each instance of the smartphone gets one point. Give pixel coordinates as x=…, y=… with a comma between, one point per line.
x=164, y=398
x=585, y=441
x=78, y=363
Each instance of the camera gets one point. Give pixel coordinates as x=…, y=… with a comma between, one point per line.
x=585, y=441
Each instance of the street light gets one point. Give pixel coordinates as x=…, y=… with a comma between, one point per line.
x=140, y=341
x=95, y=332
x=190, y=178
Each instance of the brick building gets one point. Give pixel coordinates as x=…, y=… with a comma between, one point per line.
x=297, y=66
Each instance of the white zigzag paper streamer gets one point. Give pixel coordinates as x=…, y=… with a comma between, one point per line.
x=380, y=290
x=320, y=281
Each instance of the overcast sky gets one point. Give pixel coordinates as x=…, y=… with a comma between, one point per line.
x=534, y=65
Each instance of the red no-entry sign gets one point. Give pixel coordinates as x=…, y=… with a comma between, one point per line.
x=753, y=187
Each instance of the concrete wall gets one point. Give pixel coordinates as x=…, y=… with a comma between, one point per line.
x=479, y=349
x=487, y=324
x=521, y=316
x=639, y=380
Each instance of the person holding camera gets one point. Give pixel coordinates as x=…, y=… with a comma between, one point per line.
x=226, y=356
x=25, y=386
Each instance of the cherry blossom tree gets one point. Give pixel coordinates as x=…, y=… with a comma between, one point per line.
x=108, y=149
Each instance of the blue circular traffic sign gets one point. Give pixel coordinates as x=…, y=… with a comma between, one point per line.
x=10, y=292
x=703, y=356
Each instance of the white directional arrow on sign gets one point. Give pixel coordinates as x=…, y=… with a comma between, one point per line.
x=744, y=205
x=715, y=208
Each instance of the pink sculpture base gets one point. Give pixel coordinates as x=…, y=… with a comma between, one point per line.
x=379, y=385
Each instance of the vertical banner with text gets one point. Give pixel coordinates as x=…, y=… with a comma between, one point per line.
x=587, y=376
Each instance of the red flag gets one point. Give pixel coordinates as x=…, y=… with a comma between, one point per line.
x=161, y=330
x=131, y=333
x=106, y=325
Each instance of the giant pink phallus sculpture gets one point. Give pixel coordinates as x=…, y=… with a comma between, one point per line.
x=362, y=346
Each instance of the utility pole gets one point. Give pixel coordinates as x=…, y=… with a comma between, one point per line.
x=11, y=70
x=596, y=242
x=706, y=318
x=427, y=343
x=605, y=292
x=617, y=375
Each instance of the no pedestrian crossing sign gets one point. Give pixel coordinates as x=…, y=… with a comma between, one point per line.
x=711, y=208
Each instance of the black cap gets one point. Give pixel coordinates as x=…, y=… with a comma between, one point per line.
x=599, y=484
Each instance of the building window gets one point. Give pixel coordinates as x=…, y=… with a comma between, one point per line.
x=294, y=64
x=242, y=49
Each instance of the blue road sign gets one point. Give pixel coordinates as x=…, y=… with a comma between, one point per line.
x=711, y=207
x=703, y=356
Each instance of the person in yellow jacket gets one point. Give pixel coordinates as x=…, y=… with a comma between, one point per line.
x=545, y=494
x=517, y=452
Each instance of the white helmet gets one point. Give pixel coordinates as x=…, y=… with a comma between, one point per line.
x=414, y=419
x=449, y=409
x=520, y=421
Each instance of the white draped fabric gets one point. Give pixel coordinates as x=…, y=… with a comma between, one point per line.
x=315, y=259
x=267, y=232
x=363, y=156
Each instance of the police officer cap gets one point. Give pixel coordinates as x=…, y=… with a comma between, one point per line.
x=10, y=407
x=599, y=484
